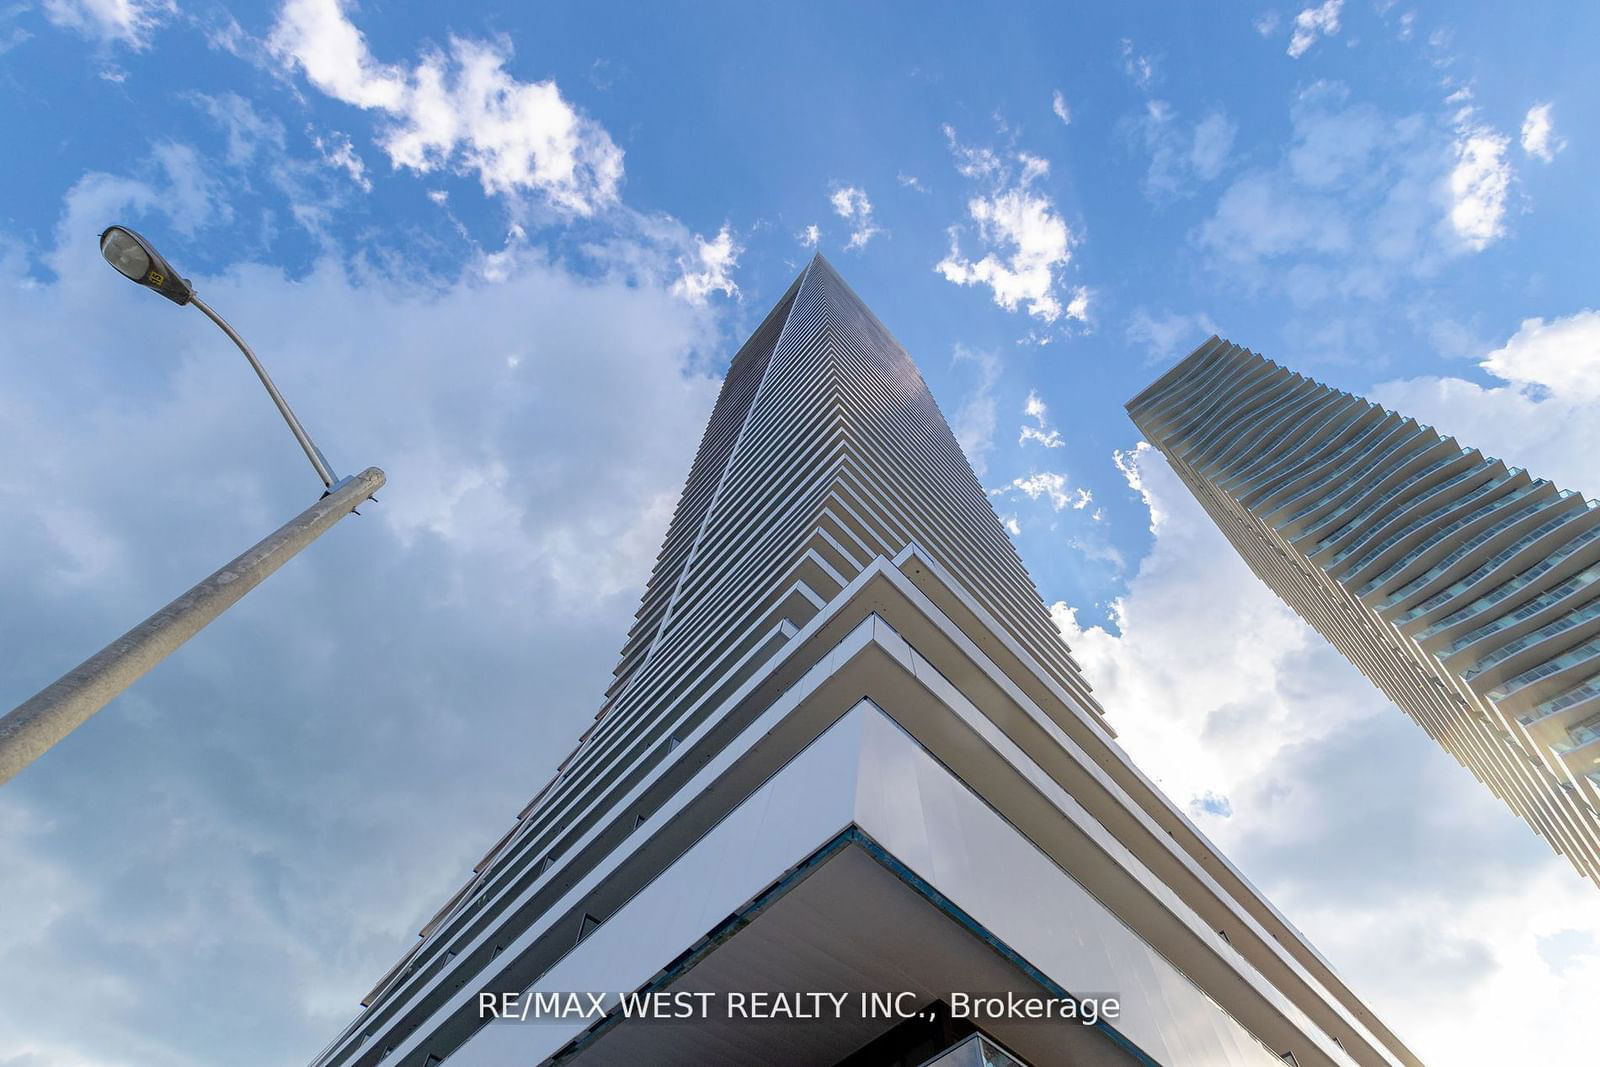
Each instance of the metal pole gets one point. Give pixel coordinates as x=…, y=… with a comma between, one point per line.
x=313, y=453
x=29, y=730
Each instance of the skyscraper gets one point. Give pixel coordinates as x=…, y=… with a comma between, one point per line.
x=845, y=752
x=1463, y=588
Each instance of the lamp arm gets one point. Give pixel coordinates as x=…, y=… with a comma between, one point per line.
x=313, y=453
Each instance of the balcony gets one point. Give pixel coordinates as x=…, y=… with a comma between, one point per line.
x=974, y=1051
x=1580, y=750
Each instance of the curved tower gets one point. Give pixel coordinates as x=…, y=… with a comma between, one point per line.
x=1464, y=588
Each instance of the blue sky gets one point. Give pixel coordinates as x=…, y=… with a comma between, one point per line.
x=505, y=254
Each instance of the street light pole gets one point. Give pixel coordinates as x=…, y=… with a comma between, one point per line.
x=33, y=727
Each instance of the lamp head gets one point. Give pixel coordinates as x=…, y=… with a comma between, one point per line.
x=136, y=260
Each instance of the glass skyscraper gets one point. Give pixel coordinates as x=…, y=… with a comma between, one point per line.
x=845, y=754
x=1466, y=589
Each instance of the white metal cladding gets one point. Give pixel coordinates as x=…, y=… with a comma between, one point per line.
x=1464, y=589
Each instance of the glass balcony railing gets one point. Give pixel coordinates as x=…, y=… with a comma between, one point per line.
x=1408, y=482
x=1263, y=466
x=1239, y=423
x=1415, y=524
x=1528, y=640
x=1571, y=656
x=1478, y=539
x=1581, y=580
x=1466, y=520
x=1504, y=589
x=1589, y=687
x=974, y=1051
x=1369, y=437
x=1581, y=734
x=1355, y=476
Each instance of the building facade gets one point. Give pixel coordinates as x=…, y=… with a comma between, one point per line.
x=1464, y=588
x=845, y=752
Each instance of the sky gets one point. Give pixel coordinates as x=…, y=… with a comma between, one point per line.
x=505, y=253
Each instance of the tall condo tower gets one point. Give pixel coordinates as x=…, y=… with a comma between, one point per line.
x=845, y=752
x=1464, y=588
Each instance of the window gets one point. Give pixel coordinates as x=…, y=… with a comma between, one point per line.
x=588, y=925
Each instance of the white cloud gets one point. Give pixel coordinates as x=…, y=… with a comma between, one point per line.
x=1479, y=183
x=911, y=181
x=1131, y=465
x=1078, y=304
x=316, y=36
x=1053, y=487
x=1259, y=217
x=458, y=110
x=710, y=269
x=851, y=204
x=1058, y=105
x=1013, y=527
x=11, y=37
x=1028, y=244
x=1035, y=242
x=340, y=154
x=1167, y=335
x=810, y=236
x=1174, y=651
x=1266, y=23
x=1182, y=155
x=198, y=196
x=1041, y=431
x=1562, y=356
x=1542, y=413
x=1096, y=548
x=973, y=161
x=249, y=133
x=1539, y=138
x=1141, y=68
x=1044, y=484
x=1360, y=199
x=976, y=418
x=127, y=22
x=1035, y=408
x=1213, y=140
x=257, y=149
x=1313, y=22
x=194, y=848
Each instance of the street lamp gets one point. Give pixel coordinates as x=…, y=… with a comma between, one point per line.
x=135, y=259
x=34, y=726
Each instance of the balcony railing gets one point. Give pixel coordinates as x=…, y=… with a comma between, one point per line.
x=974, y=1051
